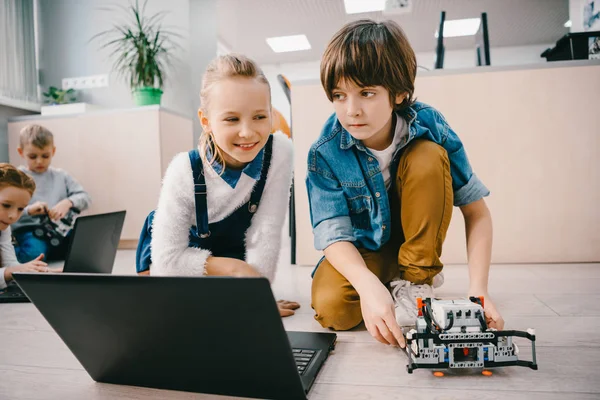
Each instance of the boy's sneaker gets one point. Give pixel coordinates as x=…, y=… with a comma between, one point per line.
x=438, y=280
x=405, y=296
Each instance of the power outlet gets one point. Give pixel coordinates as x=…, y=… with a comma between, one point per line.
x=85, y=82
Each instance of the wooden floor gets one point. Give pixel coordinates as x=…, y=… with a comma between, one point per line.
x=561, y=301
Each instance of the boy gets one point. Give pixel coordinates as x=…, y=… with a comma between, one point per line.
x=56, y=193
x=382, y=179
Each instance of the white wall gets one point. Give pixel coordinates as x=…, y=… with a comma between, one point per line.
x=6, y=113
x=576, y=15
x=500, y=56
x=66, y=27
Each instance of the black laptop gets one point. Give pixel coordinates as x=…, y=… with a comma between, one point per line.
x=92, y=249
x=217, y=335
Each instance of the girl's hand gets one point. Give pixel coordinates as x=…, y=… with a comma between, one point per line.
x=225, y=266
x=36, y=265
x=37, y=208
x=286, y=308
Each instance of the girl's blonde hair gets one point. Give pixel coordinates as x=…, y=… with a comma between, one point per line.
x=11, y=176
x=223, y=67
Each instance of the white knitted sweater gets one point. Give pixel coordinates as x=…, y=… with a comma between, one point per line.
x=175, y=214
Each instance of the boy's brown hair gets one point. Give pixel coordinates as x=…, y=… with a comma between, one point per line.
x=369, y=53
x=11, y=176
x=36, y=135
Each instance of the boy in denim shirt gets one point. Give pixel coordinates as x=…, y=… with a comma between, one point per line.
x=382, y=180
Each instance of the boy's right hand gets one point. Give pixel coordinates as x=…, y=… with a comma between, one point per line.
x=378, y=312
x=36, y=265
x=37, y=208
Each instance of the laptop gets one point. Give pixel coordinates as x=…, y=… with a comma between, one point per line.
x=92, y=249
x=217, y=335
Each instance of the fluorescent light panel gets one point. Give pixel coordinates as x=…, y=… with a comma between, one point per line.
x=363, y=6
x=283, y=44
x=460, y=27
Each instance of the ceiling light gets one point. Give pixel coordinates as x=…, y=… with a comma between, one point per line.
x=460, y=27
x=282, y=44
x=363, y=6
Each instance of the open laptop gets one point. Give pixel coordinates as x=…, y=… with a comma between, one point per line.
x=92, y=249
x=218, y=335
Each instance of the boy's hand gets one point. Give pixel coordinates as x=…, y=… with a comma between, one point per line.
x=36, y=265
x=60, y=209
x=492, y=316
x=379, y=313
x=286, y=308
x=37, y=208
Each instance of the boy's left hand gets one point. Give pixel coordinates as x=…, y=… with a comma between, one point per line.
x=492, y=316
x=60, y=209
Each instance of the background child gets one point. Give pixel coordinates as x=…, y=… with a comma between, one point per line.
x=382, y=179
x=57, y=192
x=16, y=189
x=231, y=225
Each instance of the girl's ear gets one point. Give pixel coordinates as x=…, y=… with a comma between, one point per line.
x=204, y=120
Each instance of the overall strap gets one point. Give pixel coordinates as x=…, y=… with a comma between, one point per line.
x=199, y=194
x=260, y=185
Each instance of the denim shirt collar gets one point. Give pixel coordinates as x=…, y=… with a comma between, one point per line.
x=347, y=140
x=232, y=176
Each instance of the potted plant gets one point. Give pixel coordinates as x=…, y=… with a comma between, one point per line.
x=141, y=49
x=56, y=96
x=61, y=102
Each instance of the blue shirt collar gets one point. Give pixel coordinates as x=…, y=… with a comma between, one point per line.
x=232, y=176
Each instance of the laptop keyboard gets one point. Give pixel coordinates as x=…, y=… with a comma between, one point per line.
x=13, y=294
x=303, y=358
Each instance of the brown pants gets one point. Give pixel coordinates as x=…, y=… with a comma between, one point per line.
x=421, y=210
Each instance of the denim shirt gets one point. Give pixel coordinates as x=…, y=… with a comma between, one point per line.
x=346, y=191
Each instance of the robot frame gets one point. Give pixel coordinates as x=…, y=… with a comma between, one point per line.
x=454, y=334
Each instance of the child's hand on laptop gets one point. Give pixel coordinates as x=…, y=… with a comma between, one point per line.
x=286, y=308
x=37, y=208
x=60, y=209
x=36, y=265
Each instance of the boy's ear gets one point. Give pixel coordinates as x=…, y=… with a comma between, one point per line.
x=400, y=97
x=53, y=150
x=20, y=151
x=203, y=120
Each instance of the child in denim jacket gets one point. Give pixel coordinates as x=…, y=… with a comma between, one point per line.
x=382, y=180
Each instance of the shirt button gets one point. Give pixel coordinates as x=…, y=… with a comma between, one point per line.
x=370, y=159
x=377, y=194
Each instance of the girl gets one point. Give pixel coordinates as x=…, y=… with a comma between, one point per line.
x=221, y=208
x=16, y=189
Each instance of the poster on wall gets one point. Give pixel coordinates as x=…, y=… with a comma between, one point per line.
x=591, y=22
x=591, y=15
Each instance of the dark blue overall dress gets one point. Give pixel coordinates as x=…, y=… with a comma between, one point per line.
x=225, y=238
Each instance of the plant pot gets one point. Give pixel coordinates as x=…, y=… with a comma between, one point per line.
x=146, y=96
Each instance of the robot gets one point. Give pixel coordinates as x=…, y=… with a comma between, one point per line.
x=454, y=334
x=56, y=231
